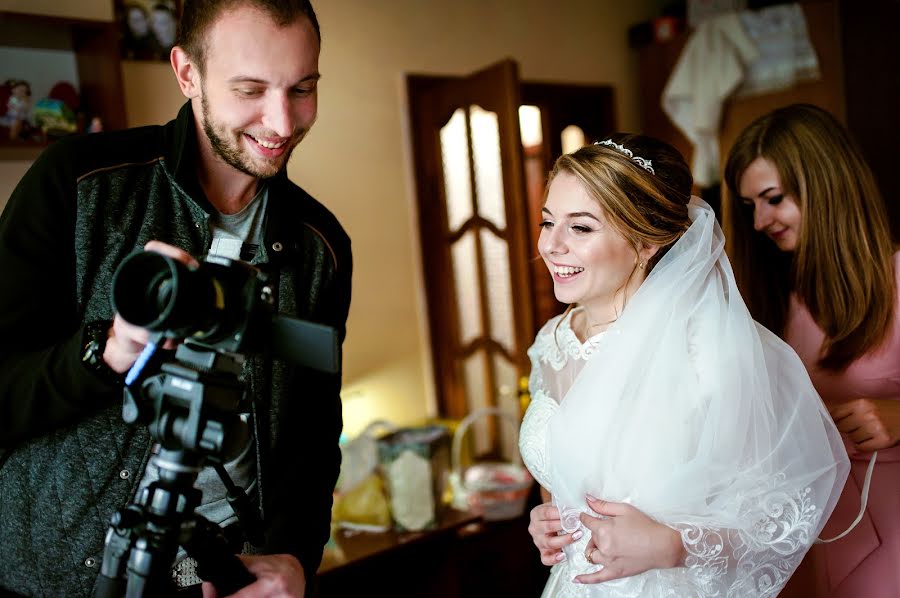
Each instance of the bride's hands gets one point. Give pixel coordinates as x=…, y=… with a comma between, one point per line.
x=544, y=529
x=627, y=542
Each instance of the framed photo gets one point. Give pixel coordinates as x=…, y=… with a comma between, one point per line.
x=147, y=28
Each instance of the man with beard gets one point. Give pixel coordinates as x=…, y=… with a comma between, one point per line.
x=212, y=181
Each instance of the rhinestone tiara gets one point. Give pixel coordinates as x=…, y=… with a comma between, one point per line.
x=642, y=162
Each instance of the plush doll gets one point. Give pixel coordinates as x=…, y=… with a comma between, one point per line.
x=17, y=108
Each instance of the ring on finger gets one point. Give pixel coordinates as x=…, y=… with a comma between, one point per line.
x=590, y=559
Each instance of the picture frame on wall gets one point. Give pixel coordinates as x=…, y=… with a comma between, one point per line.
x=147, y=28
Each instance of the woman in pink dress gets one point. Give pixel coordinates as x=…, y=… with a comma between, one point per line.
x=813, y=256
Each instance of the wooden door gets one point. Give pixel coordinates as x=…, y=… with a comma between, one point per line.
x=472, y=224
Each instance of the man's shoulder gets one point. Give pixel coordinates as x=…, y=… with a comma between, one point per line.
x=98, y=152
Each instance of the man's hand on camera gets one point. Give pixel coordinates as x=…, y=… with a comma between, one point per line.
x=277, y=576
x=126, y=341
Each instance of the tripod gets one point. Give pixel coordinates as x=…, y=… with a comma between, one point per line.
x=192, y=409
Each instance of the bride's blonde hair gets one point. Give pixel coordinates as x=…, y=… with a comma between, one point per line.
x=646, y=206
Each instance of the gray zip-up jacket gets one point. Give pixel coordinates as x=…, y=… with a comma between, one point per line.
x=67, y=460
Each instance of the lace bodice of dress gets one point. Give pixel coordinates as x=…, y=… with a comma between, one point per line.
x=558, y=349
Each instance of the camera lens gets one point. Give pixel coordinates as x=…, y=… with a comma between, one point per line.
x=160, y=292
x=156, y=292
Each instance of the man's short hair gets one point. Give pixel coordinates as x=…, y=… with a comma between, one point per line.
x=197, y=17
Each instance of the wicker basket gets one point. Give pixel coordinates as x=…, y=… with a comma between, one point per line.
x=496, y=491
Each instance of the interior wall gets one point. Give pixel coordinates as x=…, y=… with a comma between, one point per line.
x=10, y=173
x=100, y=10
x=356, y=159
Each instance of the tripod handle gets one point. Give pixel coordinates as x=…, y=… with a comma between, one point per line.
x=248, y=517
x=216, y=562
x=230, y=576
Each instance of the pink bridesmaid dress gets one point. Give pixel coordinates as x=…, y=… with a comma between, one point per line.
x=865, y=562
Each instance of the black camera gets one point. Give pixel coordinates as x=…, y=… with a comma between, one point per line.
x=219, y=304
x=224, y=305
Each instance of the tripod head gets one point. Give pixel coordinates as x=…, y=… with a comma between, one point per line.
x=194, y=404
x=193, y=407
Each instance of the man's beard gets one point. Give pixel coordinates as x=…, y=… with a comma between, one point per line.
x=231, y=152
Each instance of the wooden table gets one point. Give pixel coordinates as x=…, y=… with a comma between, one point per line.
x=347, y=547
x=462, y=556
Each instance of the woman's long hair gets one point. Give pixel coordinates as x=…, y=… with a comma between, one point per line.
x=842, y=267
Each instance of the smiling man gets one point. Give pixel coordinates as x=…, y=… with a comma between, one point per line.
x=212, y=181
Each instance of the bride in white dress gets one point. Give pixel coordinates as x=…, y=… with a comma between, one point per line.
x=685, y=449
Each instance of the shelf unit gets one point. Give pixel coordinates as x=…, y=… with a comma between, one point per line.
x=95, y=47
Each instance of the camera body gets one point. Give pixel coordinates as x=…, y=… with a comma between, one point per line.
x=224, y=305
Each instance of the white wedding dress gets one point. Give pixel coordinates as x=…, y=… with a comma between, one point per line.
x=691, y=412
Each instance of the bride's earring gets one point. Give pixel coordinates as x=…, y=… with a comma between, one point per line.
x=641, y=265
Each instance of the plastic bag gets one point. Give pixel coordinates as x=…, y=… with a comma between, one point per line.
x=363, y=507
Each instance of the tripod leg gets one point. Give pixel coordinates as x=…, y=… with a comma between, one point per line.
x=148, y=568
x=216, y=562
x=111, y=581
